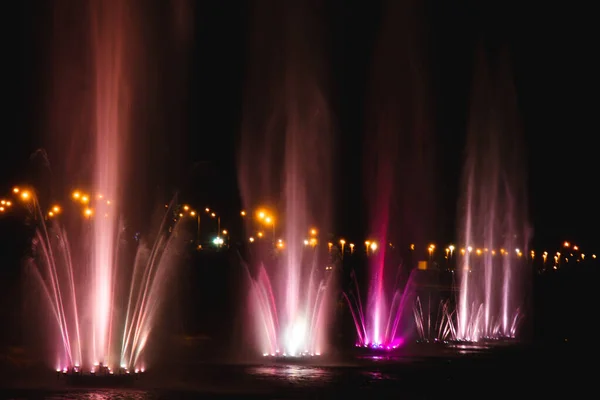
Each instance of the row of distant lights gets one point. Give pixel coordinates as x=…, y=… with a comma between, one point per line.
x=566, y=245
x=217, y=241
x=55, y=210
x=268, y=219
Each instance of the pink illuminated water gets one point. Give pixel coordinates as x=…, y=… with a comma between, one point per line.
x=398, y=177
x=285, y=160
x=111, y=129
x=494, y=233
x=104, y=301
x=71, y=294
x=384, y=329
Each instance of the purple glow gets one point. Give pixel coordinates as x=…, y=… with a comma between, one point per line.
x=398, y=179
x=285, y=160
x=494, y=233
x=383, y=331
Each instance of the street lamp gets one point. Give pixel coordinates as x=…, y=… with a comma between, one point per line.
x=197, y=215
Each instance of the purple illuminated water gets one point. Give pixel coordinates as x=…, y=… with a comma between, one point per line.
x=494, y=233
x=384, y=329
x=286, y=159
x=398, y=175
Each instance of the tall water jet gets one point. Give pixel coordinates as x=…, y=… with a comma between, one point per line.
x=286, y=162
x=111, y=129
x=398, y=173
x=494, y=229
x=104, y=309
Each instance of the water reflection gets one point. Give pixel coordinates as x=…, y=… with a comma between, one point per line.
x=376, y=376
x=102, y=394
x=293, y=373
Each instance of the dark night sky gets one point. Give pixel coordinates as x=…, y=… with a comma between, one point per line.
x=553, y=53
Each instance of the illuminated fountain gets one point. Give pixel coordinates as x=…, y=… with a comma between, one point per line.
x=304, y=333
x=380, y=327
x=494, y=232
x=103, y=299
x=286, y=159
x=68, y=280
x=398, y=181
x=435, y=327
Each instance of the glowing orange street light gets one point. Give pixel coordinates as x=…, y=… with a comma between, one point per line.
x=351, y=248
x=88, y=212
x=76, y=195
x=186, y=208
x=313, y=232
x=243, y=213
x=56, y=209
x=342, y=243
x=16, y=190
x=25, y=195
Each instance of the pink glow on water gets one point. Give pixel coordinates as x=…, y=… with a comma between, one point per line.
x=385, y=331
x=104, y=304
x=111, y=128
x=70, y=296
x=286, y=160
x=397, y=175
x=304, y=330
